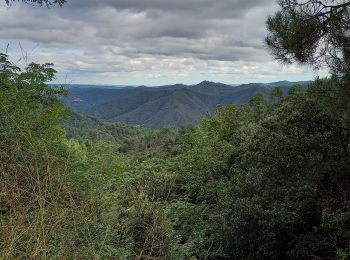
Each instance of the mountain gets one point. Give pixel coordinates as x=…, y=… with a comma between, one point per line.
x=83, y=99
x=174, y=105
x=180, y=107
x=127, y=102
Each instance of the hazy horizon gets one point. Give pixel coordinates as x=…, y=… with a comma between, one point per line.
x=171, y=84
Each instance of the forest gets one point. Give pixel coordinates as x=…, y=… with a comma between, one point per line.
x=266, y=180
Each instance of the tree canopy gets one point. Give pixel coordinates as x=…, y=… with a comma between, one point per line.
x=267, y=180
x=312, y=32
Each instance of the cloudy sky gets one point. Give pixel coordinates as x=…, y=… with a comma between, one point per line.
x=150, y=42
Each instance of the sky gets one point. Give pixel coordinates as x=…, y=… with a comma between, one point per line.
x=147, y=42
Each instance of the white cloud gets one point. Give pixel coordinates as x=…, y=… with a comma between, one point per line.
x=112, y=41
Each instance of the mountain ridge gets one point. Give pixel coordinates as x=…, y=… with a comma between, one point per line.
x=174, y=105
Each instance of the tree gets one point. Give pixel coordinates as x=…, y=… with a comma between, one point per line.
x=38, y=2
x=292, y=203
x=34, y=160
x=277, y=95
x=312, y=32
x=260, y=106
x=295, y=90
x=52, y=189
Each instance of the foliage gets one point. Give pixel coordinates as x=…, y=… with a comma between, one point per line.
x=33, y=162
x=80, y=126
x=45, y=213
x=276, y=95
x=268, y=180
x=312, y=32
x=260, y=106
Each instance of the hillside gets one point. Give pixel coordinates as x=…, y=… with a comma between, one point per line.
x=206, y=171
x=81, y=126
x=82, y=99
x=174, y=105
x=180, y=107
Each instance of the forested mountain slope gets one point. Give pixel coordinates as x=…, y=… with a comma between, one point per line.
x=174, y=105
x=180, y=107
x=82, y=126
x=268, y=179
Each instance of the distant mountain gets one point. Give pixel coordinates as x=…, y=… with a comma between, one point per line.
x=127, y=102
x=174, y=105
x=180, y=107
x=83, y=99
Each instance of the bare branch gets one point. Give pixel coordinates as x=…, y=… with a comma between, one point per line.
x=47, y=3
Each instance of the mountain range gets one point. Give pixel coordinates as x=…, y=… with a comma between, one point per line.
x=155, y=107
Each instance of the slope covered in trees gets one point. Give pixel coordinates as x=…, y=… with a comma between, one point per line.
x=81, y=126
x=172, y=105
x=267, y=180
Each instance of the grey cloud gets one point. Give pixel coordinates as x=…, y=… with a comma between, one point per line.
x=126, y=35
x=208, y=8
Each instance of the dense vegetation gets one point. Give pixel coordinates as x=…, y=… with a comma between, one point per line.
x=269, y=180
x=81, y=126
